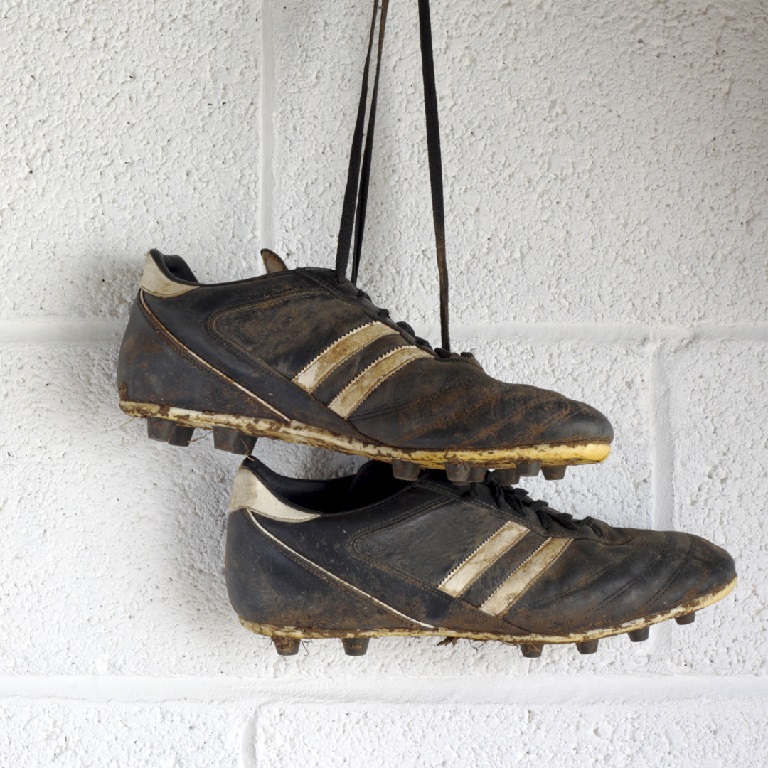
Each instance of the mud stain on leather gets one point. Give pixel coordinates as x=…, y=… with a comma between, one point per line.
x=307, y=632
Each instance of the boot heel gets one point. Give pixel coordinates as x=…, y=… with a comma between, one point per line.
x=166, y=431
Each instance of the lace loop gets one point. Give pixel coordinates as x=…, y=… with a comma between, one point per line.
x=519, y=502
x=408, y=328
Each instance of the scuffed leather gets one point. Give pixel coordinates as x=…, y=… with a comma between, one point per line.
x=400, y=549
x=262, y=332
x=473, y=411
x=153, y=370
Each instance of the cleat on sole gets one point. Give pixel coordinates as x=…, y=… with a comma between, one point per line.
x=553, y=473
x=529, y=468
x=166, y=431
x=458, y=473
x=506, y=476
x=531, y=650
x=639, y=635
x=477, y=474
x=233, y=441
x=689, y=618
x=405, y=470
x=355, y=646
x=587, y=647
x=286, y=646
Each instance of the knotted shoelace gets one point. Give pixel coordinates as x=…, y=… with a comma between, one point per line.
x=519, y=502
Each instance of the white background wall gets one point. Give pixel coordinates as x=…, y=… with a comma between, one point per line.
x=606, y=169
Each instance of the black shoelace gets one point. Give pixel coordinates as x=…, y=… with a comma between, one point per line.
x=355, y=204
x=423, y=343
x=518, y=501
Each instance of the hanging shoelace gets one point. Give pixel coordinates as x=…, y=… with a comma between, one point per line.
x=355, y=204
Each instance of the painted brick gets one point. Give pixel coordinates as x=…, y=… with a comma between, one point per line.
x=125, y=127
x=719, y=405
x=112, y=735
x=113, y=563
x=691, y=734
x=600, y=165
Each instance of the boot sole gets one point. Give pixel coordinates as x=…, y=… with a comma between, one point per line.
x=175, y=425
x=286, y=639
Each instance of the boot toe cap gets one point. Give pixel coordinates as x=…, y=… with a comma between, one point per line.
x=705, y=570
x=577, y=422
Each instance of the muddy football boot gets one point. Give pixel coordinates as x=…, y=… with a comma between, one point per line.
x=369, y=556
x=302, y=356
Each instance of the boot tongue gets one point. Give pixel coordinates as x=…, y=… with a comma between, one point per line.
x=272, y=262
x=372, y=482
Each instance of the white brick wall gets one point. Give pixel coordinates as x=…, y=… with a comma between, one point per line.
x=606, y=196
x=640, y=733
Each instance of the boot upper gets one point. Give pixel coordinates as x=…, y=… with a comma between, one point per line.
x=318, y=351
x=483, y=559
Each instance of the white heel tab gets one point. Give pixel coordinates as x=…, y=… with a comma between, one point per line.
x=158, y=282
x=249, y=492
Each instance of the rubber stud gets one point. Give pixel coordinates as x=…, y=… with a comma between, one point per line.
x=531, y=650
x=355, y=646
x=477, y=474
x=553, y=473
x=689, y=618
x=506, y=476
x=458, y=473
x=166, y=431
x=233, y=441
x=405, y=470
x=639, y=635
x=587, y=647
x=529, y=468
x=286, y=646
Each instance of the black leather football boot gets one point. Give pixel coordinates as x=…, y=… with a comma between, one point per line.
x=304, y=356
x=370, y=556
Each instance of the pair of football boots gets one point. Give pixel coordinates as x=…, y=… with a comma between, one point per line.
x=429, y=537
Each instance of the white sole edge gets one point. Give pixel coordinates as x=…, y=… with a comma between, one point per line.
x=296, y=432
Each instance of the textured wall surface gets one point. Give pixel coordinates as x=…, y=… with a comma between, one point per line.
x=606, y=193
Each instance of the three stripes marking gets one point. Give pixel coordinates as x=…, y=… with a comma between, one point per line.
x=360, y=387
x=465, y=574
x=461, y=578
x=517, y=583
x=314, y=374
